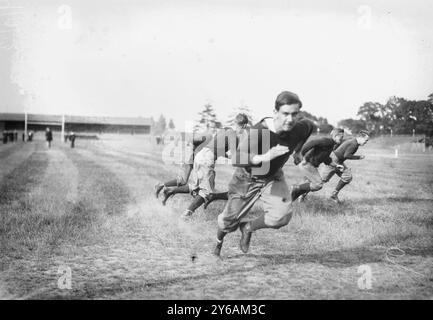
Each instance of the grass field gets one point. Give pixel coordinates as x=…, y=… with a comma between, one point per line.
x=91, y=209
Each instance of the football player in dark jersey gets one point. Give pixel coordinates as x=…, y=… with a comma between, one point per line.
x=315, y=151
x=202, y=184
x=259, y=160
x=346, y=151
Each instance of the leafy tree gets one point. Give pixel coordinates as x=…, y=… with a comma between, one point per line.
x=371, y=113
x=352, y=125
x=171, y=124
x=408, y=116
x=160, y=125
x=422, y=114
x=308, y=115
x=397, y=114
x=321, y=123
x=208, y=120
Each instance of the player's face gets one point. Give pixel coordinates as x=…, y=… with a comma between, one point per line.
x=338, y=138
x=363, y=140
x=286, y=117
x=239, y=128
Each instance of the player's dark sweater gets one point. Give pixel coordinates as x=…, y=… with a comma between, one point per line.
x=223, y=141
x=317, y=150
x=260, y=140
x=347, y=150
x=199, y=141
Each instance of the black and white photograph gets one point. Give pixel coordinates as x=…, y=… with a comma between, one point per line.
x=209, y=151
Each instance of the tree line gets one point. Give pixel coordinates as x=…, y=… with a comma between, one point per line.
x=209, y=121
x=397, y=115
x=160, y=126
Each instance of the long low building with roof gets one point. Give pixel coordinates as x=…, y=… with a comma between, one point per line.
x=90, y=124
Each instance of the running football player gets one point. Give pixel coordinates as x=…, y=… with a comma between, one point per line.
x=202, y=184
x=346, y=151
x=259, y=160
x=315, y=151
x=185, y=169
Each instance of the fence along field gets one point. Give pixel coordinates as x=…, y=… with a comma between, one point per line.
x=90, y=210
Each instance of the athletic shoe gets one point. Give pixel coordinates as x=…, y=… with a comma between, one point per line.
x=187, y=214
x=217, y=250
x=158, y=187
x=295, y=192
x=208, y=200
x=334, y=198
x=246, y=236
x=302, y=197
x=167, y=194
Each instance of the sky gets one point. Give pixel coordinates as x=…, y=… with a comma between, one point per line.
x=146, y=58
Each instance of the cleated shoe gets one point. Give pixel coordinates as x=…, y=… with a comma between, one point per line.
x=295, y=192
x=187, y=214
x=217, y=250
x=246, y=236
x=158, y=187
x=302, y=198
x=334, y=198
x=208, y=200
x=167, y=194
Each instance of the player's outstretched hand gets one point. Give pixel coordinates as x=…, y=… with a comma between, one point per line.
x=297, y=158
x=273, y=153
x=361, y=157
x=277, y=151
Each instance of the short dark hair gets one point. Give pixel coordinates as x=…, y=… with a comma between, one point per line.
x=287, y=97
x=336, y=131
x=241, y=119
x=363, y=133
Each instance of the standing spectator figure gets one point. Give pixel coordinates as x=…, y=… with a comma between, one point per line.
x=72, y=139
x=15, y=135
x=48, y=137
x=24, y=137
x=30, y=138
x=5, y=137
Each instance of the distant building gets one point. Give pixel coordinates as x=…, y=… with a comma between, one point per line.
x=38, y=122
